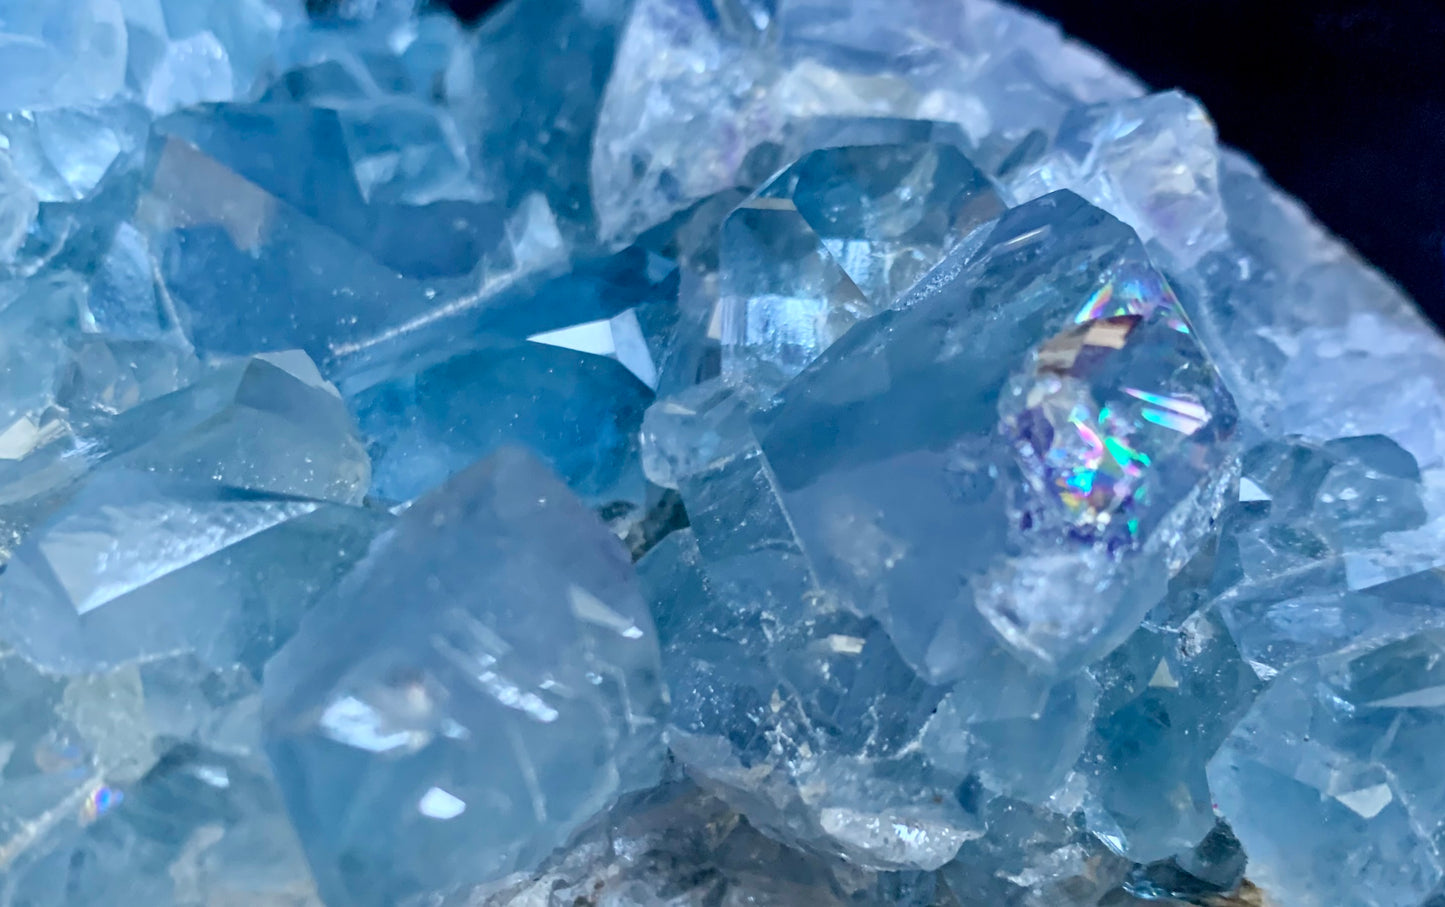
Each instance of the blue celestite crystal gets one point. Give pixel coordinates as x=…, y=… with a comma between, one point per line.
x=579, y=412
x=1082, y=432
x=835, y=238
x=1329, y=780
x=475, y=691
x=61, y=55
x=674, y=452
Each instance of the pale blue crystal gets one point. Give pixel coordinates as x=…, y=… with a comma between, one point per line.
x=17, y=214
x=927, y=427
x=1328, y=780
x=185, y=52
x=832, y=239
x=1168, y=699
x=1326, y=548
x=200, y=827
x=1032, y=857
x=580, y=413
x=797, y=717
x=697, y=98
x=957, y=588
x=61, y=54
x=61, y=767
x=136, y=565
x=1152, y=162
x=425, y=742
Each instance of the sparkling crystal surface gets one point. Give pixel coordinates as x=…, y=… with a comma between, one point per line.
x=690, y=452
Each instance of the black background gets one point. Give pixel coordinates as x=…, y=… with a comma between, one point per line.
x=1343, y=103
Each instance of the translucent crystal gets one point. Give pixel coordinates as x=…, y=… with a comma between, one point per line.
x=1321, y=551
x=1151, y=162
x=927, y=427
x=796, y=716
x=200, y=827
x=580, y=413
x=1327, y=781
x=60, y=771
x=136, y=565
x=482, y=722
x=835, y=238
x=184, y=52
x=699, y=99
x=1033, y=858
x=61, y=54
x=1167, y=701
x=18, y=211
x=908, y=347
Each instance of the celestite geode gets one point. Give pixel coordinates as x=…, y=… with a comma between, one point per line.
x=690, y=452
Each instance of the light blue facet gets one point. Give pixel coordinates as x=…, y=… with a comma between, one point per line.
x=1030, y=857
x=63, y=771
x=1326, y=780
x=268, y=424
x=1327, y=548
x=578, y=413
x=1084, y=429
x=137, y=565
x=798, y=717
x=481, y=686
x=189, y=52
x=832, y=239
x=1167, y=700
x=17, y=215
x=200, y=827
x=61, y=54
x=1152, y=162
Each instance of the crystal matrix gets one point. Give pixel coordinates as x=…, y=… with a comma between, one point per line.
x=677, y=452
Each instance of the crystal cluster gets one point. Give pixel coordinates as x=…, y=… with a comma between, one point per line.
x=690, y=452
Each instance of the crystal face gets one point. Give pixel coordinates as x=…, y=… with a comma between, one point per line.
x=681, y=452
x=490, y=681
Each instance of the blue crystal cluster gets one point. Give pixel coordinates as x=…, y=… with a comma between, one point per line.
x=690, y=453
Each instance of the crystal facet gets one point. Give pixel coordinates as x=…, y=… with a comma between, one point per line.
x=487, y=681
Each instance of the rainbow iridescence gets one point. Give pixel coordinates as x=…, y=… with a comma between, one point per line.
x=1103, y=399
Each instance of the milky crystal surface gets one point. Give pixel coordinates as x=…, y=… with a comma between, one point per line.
x=690, y=452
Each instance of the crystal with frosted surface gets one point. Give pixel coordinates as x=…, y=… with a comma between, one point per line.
x=461, y=735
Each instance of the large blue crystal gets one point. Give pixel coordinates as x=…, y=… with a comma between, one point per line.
x=1044, y=410
x=482, y=685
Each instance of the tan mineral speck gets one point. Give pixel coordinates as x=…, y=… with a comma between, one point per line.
x=1246, y=896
